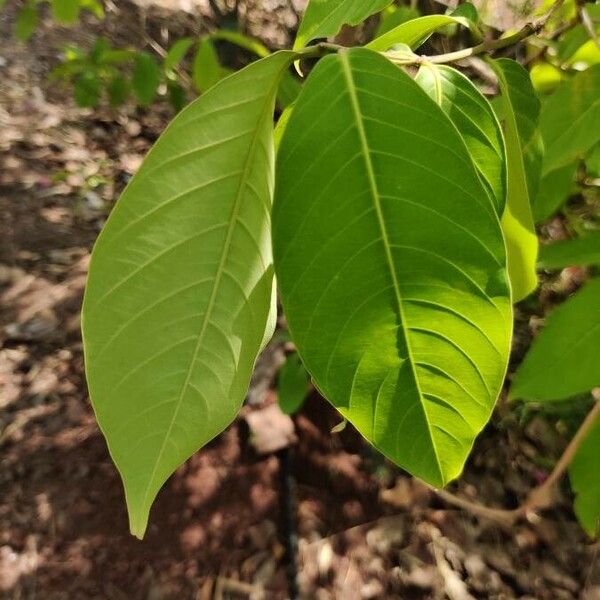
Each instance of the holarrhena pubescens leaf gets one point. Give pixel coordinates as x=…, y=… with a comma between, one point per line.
x=570, y=119
x=180, y=288
x=520, y=108
x=475, y=120
x=324, y=18
x=415, y=32
x=391, y=263
x=583, y=473
x=563, y=360
x=553, y=192
x=581, y=251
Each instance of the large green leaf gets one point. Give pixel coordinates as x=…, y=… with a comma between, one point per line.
x=581, y=251
x=585, y=482
x=391, y=264
x=475, y=120
x=324, y=18
x=520, y=110
x=180, y=287
x=563, y=359
x=570, y=119
x=415, y=32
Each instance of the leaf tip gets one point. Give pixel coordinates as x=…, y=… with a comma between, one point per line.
x=138, y=522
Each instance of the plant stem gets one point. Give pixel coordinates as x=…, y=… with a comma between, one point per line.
x=488, y=46
x=541, y=496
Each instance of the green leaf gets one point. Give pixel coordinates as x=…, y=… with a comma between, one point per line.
x=177, y=53
x=87, y=89
x=177, y=96
x=394, y=16
x=206, y=70
x=281, y=125
x=416, y=32
x=475, y=120
x=585, y=482
x=146, y=78
x=404, y=327
x=582, y=251
x=324, y=18
x=563, y=359
x=66, y=11
x=292, y=384
x=520, y=108
x=592, y=161
x=118, y=90
x=98, y=51
x=27, y=21
x=180, y=292
x=116, y=57
x=468, y=11
x=242, y=41
x=574, y=39
x=555, y=189
x=570, y=119
x=289, y=87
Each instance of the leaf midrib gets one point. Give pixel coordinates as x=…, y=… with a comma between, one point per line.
x=356, y=110
x=220, y=270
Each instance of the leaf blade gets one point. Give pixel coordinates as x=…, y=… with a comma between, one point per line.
x=523, y=153
x=476, y=121
x=570, y=119
x=583, y=473
x=562, y=361
x=324, y=18
x=415, y=32
x=582, y=251
x=180, y=292
x=358, y=282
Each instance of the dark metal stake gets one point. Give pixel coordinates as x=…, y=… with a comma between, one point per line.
x=287, y=499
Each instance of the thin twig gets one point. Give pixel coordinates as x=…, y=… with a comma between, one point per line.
x=541, y=496
x=487, y=46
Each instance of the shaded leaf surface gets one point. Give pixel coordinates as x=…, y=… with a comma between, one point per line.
x=180, y=286
x=563, y=360
x=570, y=119
x=585, y=482
x=555, y=189
x=524, y=151
x=292, y=384
x=405, y=328
x=475, y=120
x=581, y=252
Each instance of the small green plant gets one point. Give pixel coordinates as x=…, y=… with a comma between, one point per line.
x=65, y=12
x=398, y=215
x=116, y=75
